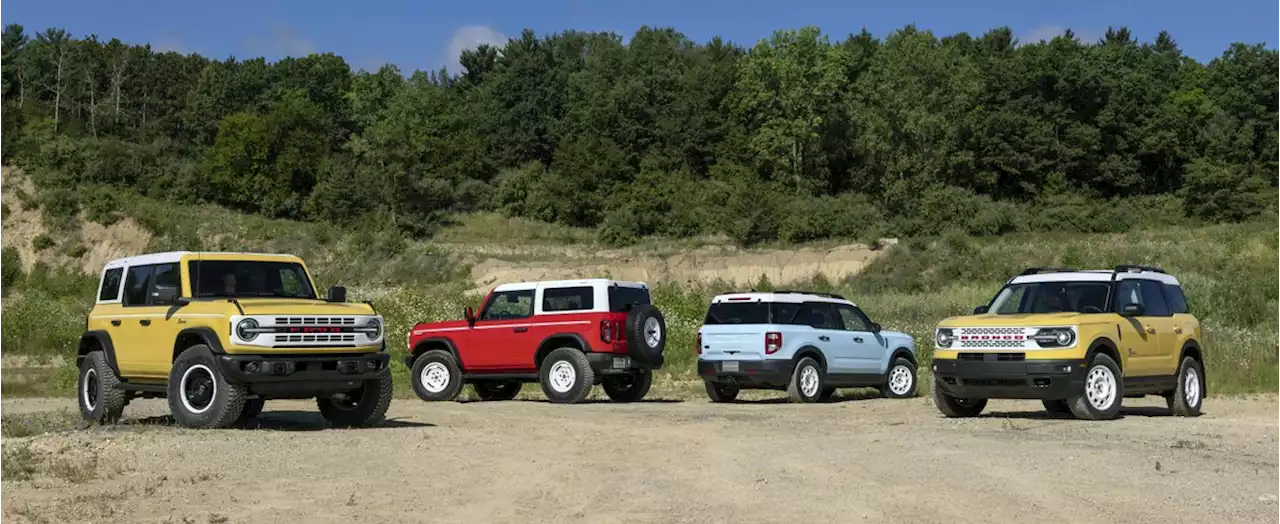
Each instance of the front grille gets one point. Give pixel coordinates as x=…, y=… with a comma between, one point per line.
x=995, y=382
x=991, y=343
x=992, y=331
x=341, y=337
x=315, y=321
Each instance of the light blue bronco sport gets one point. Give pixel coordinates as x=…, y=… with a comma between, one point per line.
x=806, y=343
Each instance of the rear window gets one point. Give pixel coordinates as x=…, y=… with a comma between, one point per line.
x=621, y=298
x=751, y=313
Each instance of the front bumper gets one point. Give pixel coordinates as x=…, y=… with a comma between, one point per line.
x=750, y=373
x=292, y=376
x=1027, y=379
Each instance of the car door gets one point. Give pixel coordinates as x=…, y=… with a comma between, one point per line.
x=162, y=330
x=1137, y=337
x=501, y=331
x=132, y=334
x=867, y=353
x=1165, y=348
x=827, y=335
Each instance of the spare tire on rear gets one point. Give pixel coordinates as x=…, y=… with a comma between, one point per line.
x=646, y=332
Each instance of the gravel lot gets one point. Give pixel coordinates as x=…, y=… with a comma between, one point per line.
x=872, y=460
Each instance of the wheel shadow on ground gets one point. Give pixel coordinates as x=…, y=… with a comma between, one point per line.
x=1045, y=415
x=288, y=421
x=588, y=401
x=840, y=397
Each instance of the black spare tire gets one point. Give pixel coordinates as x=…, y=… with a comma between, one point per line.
x=646, y=332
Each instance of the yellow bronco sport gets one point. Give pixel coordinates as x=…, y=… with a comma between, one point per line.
x=1078, y=340
x=218, y=334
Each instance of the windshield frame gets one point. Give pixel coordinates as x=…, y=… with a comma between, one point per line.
x=1108, y=306
x=193, y=270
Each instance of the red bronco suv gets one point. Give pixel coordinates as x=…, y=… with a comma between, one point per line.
x=567, y=335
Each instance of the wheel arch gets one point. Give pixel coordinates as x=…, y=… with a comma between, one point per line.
x=97, y=340
x=903, y=353
x=193, y=336
x=431, y=344
x=1191, y=348
x=558, y=340
x=1107, y=347
x=809, y=351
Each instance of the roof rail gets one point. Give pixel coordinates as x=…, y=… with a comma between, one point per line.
x=1036, y=270
x=828, y=295
x=1124, y=268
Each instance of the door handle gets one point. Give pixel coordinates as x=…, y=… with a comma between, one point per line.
x=1177, y=330
x=857, y=339
x=145, y=322
x=1151, y=330
x=521, y=329
x=115, y=322
x=824, y=338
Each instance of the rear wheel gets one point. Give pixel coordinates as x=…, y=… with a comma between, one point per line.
x=436, y=376
x=806, y=381
x=362, y=407
x=721, y=392
x=957, y=407
x=566, y=376
x=1187, y=399
x=1103, y=389
x=199, y=396
x=497, y=389
x=900, y=380
x=631, y=387
x=100, y=397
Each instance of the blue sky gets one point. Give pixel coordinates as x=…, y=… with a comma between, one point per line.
x=428, y=34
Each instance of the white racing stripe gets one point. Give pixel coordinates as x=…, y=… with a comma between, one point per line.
x=503, y=326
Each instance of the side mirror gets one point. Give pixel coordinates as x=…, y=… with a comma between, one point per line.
x=164, y=295
x=469, y=314
x=875, y=327
x=1132, y=310
x=980, y=310
x=337, y=294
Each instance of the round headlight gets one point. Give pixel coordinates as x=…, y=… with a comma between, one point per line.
x=1064, y=337
x=944, y=338
x=374, y=329
x=245, y=329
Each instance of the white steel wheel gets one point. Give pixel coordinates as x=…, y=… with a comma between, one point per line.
x=809, y=381
x=1191, y=387
x=901, y=378
x=198, y=388
x=1100, y=387
x=652, y=332
x=434, y=377
x=89, y=391
x=562, y=376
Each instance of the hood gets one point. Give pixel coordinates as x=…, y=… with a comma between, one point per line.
x=296, y=306
x=1018, y=320
x=895, y=335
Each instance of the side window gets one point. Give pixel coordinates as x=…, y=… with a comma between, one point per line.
x=819, y=315
x=166, y=284
x=136, y=285
x=784, y=312
x=508, y=305
x=1153, y=298
x=111, y=284
x=1177, y=300
x=852, y=319
x=1127, y=292
x=568, y=299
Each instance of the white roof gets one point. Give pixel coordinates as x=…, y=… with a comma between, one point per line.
x=588, y=282
x=170, y=257
x=777, y=297
x=1093, y=275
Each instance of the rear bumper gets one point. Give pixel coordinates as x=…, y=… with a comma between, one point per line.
x=1029, y=379
x=615, y=363
x=751, y=373
x=285, y=376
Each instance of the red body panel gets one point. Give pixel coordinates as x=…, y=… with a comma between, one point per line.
x=498, y=346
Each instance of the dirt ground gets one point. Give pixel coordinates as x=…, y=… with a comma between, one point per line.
x=870, y=460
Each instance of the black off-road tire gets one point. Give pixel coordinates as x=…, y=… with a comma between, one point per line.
x=497, y=389
x=360, y=408
x=1079, y=402
x=213, y=402
x=252, y=408
x=566, y=376
x=434, y=363
x=1056, y=406
x=796, y=390
x=631, y=387
x=101, y=399
x=1183, y=401
x=721, y=392
x=957, y=407
x=646, y=333
x=904, y=368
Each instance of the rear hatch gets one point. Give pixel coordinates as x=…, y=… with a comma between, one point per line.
x=735, y=330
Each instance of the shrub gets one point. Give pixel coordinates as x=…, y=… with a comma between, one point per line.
x=42, y=242
x=10, y=268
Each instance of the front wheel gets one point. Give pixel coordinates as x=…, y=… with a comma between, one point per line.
x=362, y=407
x=199, y=396
x=1057, y=407
x=436, y=376
x=954, y=407
x=900, y=381
x=1103, y=389
x=1185, y=401
x=721, y=392
x=566, y=376
x=631, y=387
x=252, y=408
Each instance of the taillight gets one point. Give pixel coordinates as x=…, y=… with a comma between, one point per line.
x=606, y=331
x=699, y=346
x=772, y=342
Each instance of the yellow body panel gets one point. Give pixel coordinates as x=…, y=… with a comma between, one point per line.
x=147, y=352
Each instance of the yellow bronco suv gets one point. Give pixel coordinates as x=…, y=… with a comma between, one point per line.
x=1080, y=341
x=219, y=334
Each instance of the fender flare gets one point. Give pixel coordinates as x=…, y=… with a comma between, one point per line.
x=102, y=339
x=1104, y=342
x=904, y=353
x=547, y=345
x=206, y=335
x=420, y=346
x=805, y=350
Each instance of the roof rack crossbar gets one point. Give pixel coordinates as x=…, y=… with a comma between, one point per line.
x=795, y=292
x=1124, y=268
x=1037, y=270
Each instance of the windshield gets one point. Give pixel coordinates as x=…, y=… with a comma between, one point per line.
x=244, y=279
x=1051, y=297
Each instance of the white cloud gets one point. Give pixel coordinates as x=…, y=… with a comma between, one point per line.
x=282, y=41
x=1047, y=32
x=470, y=37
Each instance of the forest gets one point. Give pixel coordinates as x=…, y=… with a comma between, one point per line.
x=801, y=136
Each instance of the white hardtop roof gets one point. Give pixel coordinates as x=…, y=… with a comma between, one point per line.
x=794, y=297
x=516, y=286
x=170, y=257
x=1093, y=275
